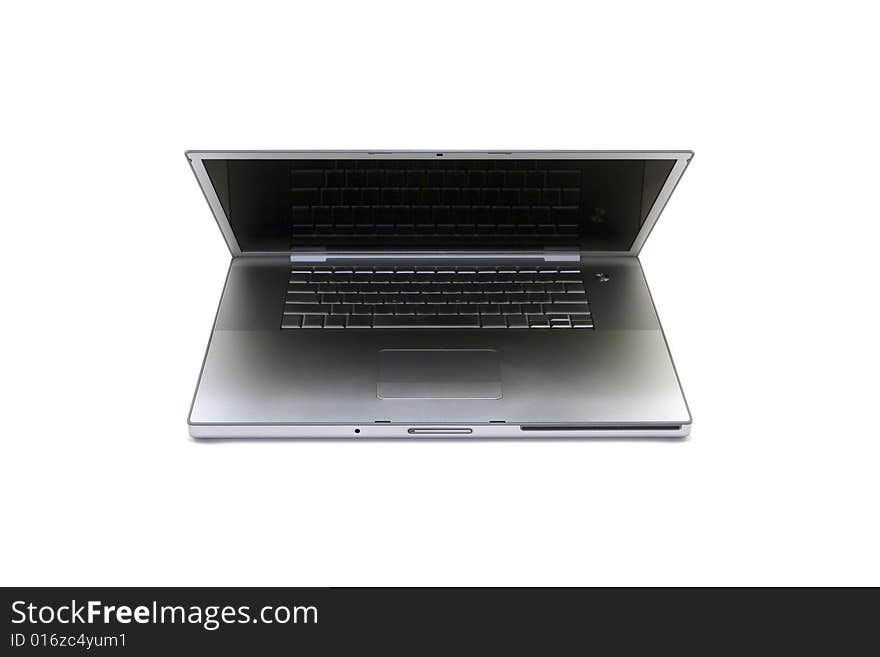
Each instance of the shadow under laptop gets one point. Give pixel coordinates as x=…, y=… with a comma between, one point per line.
x=437, y=439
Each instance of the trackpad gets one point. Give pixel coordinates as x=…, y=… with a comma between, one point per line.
x=439, y=374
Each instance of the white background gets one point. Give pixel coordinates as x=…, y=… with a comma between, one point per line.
x=762, y=268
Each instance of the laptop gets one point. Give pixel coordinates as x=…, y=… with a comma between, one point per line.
x=437, y=294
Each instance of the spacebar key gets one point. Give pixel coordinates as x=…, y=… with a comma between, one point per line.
x=427, y=321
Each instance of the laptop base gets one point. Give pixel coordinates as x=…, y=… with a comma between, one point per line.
x=261, y=381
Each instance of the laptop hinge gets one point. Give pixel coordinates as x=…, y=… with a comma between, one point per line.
x=547, y=254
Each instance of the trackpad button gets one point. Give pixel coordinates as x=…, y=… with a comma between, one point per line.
x=439, y=374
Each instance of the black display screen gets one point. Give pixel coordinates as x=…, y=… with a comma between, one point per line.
x=595, y=205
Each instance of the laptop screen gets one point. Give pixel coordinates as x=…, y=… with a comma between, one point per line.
x=594, y=205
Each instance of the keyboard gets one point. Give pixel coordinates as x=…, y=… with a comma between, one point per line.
x=436, y=298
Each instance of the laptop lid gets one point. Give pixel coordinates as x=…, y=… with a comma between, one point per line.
x=279, y=202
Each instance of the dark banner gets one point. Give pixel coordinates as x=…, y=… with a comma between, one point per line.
x=337, y=621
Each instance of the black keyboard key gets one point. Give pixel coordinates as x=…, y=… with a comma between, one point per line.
x=291, y=321
x=566, y=308
x=444, y=321
x=493, y=321
x=313, y=321
x=303, y=298
x=449, y=309
x=334, y=321
x=570, y=297
x=307, y=308
x=360, y=321
x=517, y=321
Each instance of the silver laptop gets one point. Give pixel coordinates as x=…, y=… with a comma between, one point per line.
x=426, y=294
